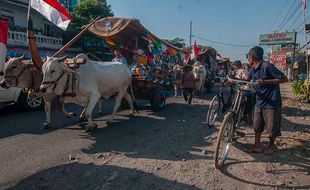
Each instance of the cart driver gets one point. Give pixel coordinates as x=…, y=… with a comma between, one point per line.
x=119, y=57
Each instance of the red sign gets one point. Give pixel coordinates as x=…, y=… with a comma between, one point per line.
x=278, y=59
x=277, y=35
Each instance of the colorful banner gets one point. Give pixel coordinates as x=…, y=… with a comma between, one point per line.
x=277, y=38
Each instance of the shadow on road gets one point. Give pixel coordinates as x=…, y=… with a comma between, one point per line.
x=14, y=121
x=175, y=133
x=90, y=176
x=292, y=156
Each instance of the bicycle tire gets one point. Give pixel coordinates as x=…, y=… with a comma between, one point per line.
x=228, y=120
x=213, y=110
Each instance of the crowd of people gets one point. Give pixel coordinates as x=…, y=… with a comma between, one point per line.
x=266, y=94
x=264, y=98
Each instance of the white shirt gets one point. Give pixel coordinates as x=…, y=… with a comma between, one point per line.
x=242, y=74
x=121, y=60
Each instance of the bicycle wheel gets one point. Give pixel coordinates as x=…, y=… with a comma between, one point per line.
x=224, y=140
x=213, y=111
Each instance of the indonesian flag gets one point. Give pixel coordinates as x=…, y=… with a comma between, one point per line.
x=4, y=26
x=53, y=11
x=195, y=51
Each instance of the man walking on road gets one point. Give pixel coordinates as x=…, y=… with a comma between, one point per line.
x=267, y=112
x=188, y=83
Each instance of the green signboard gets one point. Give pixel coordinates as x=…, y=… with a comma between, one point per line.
x=277, y=38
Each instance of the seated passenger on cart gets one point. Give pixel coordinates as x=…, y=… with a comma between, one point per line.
x=119, y=57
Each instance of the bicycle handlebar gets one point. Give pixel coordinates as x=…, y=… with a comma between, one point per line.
x=241, y=81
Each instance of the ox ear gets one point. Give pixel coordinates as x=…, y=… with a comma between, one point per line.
x=64, y=67
x=61, y=59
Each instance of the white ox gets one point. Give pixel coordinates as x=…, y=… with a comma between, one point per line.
x=25, y=75
x=200, y=74
x=95, y=80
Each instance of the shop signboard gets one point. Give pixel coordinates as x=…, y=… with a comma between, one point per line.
x=278, y=59
x=288, y=47
x=277, y=38
x=284, y=48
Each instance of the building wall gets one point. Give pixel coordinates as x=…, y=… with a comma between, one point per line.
x=18, y=13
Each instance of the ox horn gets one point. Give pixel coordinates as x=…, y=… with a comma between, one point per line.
x=34, y=52
x=61, y=59
x=21, y=58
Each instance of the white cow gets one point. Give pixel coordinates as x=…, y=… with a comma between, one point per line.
x=200, y=73
x=95, y=80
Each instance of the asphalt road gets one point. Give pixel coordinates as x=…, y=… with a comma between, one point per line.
x=26, y=150
x=171, y=149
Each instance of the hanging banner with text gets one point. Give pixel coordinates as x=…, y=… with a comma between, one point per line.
x=277, y=38
x=278, y=59
x=284, y=48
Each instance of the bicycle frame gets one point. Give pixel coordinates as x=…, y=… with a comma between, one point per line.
x=237, y=109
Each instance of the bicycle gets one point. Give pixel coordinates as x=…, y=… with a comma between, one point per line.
x=218, y=103
x=230, y=124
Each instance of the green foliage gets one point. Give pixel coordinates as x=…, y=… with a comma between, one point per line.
x=82, y=15
x=88, y=10
x=299, y=88
x=177, y=42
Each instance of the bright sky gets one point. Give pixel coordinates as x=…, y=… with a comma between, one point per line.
x=229, y=21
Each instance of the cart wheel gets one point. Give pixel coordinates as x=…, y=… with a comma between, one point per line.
x=158, y=101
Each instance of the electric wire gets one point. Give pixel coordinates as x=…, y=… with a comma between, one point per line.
x=223, y=43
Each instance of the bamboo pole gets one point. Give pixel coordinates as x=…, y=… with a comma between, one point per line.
x=34, y=52
x=65, y=47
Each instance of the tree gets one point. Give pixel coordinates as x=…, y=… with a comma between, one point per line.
x=177, y=42
x=88, y=10
x=83, y=14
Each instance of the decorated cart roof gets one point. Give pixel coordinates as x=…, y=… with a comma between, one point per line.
x=125, y=30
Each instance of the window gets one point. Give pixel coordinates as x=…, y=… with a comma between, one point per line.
x=8, y=15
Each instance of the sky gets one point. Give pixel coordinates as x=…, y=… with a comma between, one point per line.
x=229, y=21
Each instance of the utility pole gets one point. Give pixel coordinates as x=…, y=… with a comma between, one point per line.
x=190, y=34
x=306, y=44
x=291, y=65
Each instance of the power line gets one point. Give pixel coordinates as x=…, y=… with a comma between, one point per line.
x=291, y=16
x=300, y=23
x=223, y=43
x=295, y=21
x=285, y=17
x=275, y=20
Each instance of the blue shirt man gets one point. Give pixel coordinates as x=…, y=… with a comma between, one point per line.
x=267, y=112
x=267, y=95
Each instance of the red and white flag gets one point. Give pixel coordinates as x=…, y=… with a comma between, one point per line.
x=195, y=51
x=4, y=26
x=53, y=11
